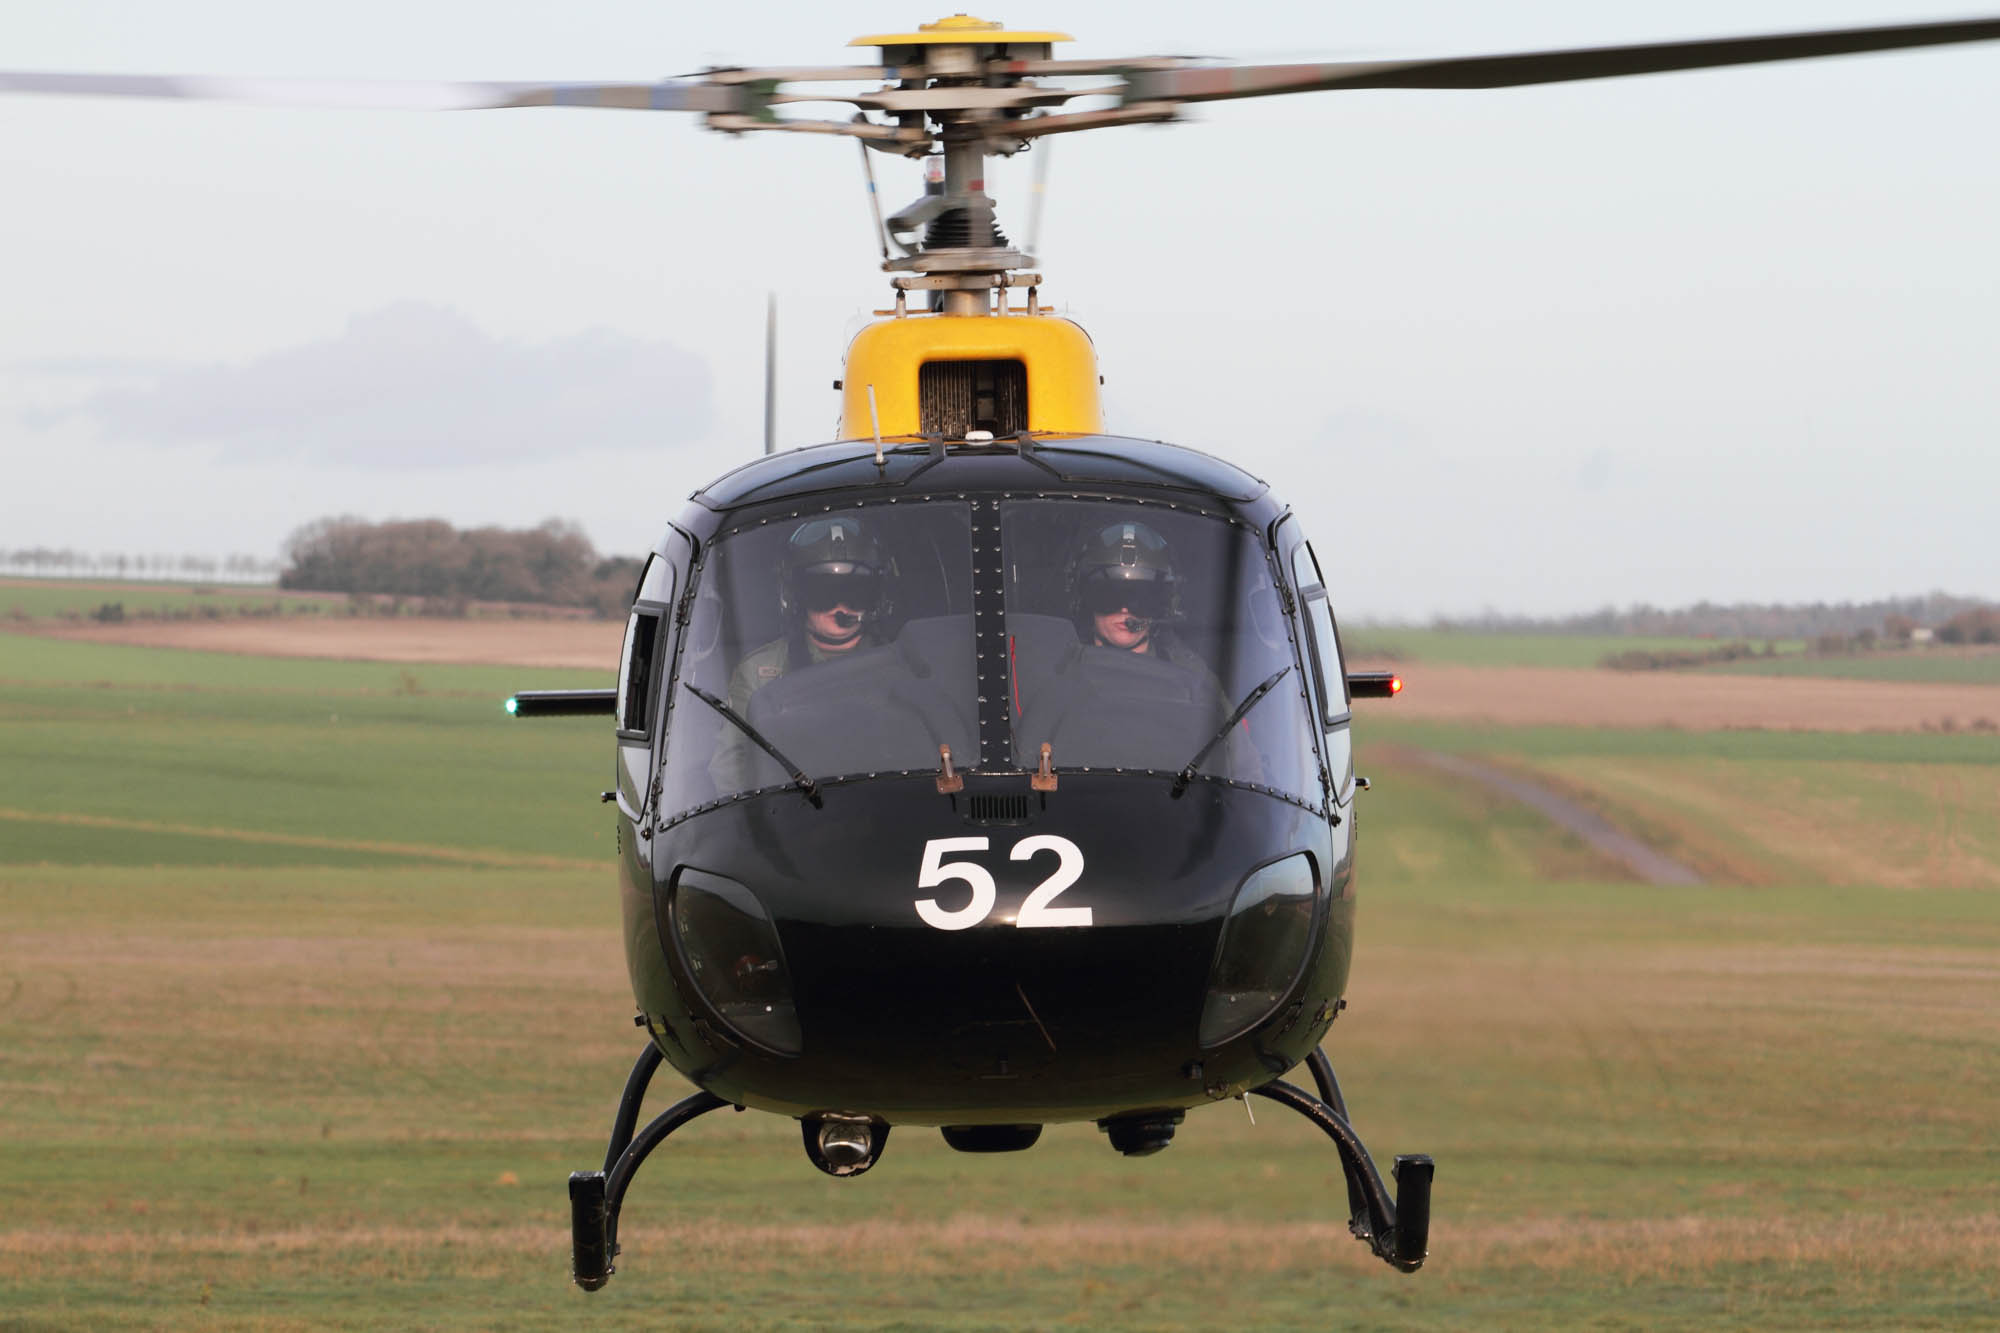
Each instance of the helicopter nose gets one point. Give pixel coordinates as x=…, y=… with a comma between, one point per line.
x=926, y=958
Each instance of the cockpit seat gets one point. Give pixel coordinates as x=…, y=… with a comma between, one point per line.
x=884, y=709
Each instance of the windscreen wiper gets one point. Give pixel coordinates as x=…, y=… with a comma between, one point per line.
x=1250, y=701
x=799, y=778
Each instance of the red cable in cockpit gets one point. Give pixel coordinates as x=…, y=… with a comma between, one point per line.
x=1013, y=676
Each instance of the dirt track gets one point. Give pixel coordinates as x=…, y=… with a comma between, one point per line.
x=1694, y=701
x=1648, y=863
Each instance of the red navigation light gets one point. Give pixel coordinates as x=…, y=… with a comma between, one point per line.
x=1373, y=684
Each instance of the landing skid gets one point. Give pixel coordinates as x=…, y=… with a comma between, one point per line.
x=595, y=1197
x=1398, y=1229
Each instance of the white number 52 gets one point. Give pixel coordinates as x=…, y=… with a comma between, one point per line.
x=1035, y=911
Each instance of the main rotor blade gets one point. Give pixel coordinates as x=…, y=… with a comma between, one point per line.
x=667, y=95
x=1507, y=71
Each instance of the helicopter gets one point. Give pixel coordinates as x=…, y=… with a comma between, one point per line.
x=977, y=769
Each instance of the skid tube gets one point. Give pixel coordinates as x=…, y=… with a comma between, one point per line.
x=1397, y=1230
x=595, y=1197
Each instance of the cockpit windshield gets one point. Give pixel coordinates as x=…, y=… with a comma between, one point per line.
x=844, y=640
x=1136, y=631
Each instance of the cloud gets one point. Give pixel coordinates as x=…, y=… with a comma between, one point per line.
x=417, y=385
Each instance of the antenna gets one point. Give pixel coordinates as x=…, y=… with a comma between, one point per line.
x=770, y=372
x=874, y=199
x=1037, y=193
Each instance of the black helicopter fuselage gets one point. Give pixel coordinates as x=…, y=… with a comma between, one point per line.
x=840, y=932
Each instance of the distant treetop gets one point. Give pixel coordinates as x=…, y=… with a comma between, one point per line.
x=553, y=564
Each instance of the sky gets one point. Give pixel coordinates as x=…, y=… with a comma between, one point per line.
x=1730, y=335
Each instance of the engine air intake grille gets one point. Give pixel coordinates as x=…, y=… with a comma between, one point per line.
x=1010, y=808
x=959, y=396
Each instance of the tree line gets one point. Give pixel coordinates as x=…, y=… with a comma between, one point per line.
x=1751, y=620
x=552, y=564
x=69, y=563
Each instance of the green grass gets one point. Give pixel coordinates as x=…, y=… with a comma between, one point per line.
x=1872, y=746
x=165, y=750
x=265, y=1094
x=49, y=598
x=1463, y=648
x=28, y=660
x=1934, y=666
x=1902, y=810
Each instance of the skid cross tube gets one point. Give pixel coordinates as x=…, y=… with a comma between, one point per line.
x=1376, y=1218
x=1329, y=1083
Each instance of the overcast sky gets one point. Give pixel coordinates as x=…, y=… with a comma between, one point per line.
x=1729, y=335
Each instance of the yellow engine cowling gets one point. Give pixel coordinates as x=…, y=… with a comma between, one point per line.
x=1055, y=353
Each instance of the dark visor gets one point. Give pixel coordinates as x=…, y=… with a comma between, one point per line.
x=823, y=592
x=1142, y=598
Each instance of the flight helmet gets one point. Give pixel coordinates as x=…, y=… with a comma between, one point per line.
x=831, y=562
x=1124, y=565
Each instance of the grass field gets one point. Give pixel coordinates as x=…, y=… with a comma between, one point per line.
x=1461, y=648
x=126, y=755
x=1906, y=810
x=46, y=598
x=307, y=1028
x=1941, y=665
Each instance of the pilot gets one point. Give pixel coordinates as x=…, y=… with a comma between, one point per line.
x=833, y=586
x=1124, y=594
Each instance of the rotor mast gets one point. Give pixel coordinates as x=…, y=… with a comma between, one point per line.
x=963, y=256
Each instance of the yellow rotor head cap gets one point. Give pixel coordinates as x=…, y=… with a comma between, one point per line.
x=961, y=30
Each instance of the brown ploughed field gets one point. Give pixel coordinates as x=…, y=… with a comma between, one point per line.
x=1688, y=700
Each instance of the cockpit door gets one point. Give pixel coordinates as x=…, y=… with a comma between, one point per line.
x=647, y=652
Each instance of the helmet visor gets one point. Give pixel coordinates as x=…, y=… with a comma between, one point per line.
x=858, y=591
x=1144, y=598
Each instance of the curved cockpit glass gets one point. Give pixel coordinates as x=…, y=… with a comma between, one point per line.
x=844, y=640
x=842, y=643
x=1138, y=632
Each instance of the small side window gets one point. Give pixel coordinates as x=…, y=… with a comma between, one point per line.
x=1325, y=643
x=1305, y=570
x=1326, y=646
x=635, y=672
x=638, y=664
x=657, y=583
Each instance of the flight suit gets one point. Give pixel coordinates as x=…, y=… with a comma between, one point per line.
x=733, y=764
x=1165, y=646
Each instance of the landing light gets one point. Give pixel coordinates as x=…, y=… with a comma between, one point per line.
x=846, y=1144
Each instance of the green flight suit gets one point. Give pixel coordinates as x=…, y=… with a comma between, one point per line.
x=734, y=763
